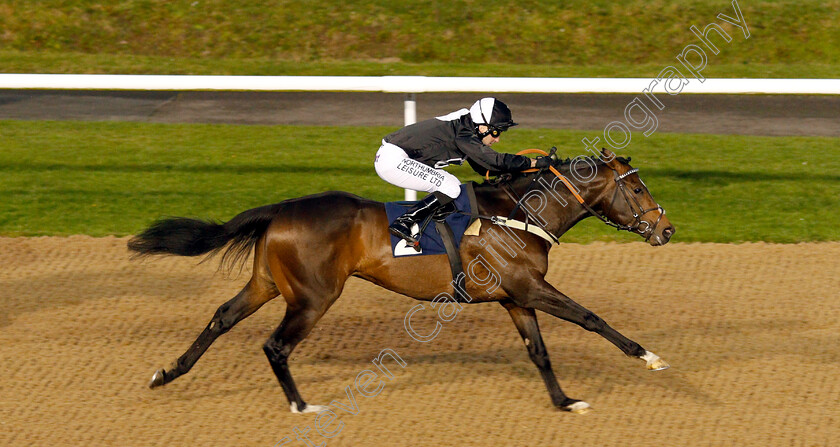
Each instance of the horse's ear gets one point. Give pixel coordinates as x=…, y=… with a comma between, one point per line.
x=608, y=157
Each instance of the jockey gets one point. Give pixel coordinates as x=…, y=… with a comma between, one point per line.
x=413, y=158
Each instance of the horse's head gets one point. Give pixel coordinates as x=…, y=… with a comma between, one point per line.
x=630, y=206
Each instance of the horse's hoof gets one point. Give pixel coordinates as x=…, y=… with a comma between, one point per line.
x=654, y=362
x=308, y=408
x=579, y=407
x=157, y=379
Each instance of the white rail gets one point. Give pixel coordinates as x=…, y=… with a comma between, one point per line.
x=408, y=84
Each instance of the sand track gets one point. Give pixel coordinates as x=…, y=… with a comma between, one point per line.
x=752, y=332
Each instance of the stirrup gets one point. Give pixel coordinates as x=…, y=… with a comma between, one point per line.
x=396, y=229
x=410, y=241
x=423, y=226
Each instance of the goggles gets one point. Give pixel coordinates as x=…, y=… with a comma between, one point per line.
x=493, y=131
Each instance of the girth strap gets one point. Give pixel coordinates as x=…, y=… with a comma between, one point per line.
x=454, y=256
x=519, y=225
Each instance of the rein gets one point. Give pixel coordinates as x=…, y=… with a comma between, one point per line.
x=619, y=179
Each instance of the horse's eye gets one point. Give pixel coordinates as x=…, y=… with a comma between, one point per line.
x=638, y=190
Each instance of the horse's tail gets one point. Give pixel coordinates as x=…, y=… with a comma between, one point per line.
x=192, y=237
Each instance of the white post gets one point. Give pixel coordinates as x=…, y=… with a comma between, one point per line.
x=410, y=118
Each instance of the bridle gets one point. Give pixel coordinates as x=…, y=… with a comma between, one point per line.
x=638, y=211
x=636, y=226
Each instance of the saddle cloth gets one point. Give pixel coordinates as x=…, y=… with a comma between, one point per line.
x=431, y=242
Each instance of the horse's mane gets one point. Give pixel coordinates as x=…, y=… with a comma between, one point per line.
x=567, y=162
x=596, y=160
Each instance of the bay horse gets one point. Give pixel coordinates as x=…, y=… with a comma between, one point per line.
x=305, y=249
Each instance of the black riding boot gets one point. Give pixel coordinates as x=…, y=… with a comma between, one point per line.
x=447, y=207
x=418, y=213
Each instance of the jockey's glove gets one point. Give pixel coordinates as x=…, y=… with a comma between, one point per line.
x=543, y=162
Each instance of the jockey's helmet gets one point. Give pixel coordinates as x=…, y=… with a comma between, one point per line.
x=492, y=113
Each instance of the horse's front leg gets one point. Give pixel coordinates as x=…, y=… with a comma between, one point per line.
x=525, y=320
x=543, y=296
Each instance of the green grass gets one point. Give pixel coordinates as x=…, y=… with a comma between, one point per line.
x=55, y=62
x=456, y=37
x=62, y=178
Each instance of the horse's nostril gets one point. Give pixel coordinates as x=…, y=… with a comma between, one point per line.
x=668, y=232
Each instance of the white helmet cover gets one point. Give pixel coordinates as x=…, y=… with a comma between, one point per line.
x=481, y=112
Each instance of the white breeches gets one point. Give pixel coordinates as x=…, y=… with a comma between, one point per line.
x=396, y=168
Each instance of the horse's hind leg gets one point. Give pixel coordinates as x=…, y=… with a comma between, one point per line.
x=525, y=320
x=256, y=293
x=301, y=316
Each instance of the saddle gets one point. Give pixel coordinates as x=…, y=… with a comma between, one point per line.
x=439, y=237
